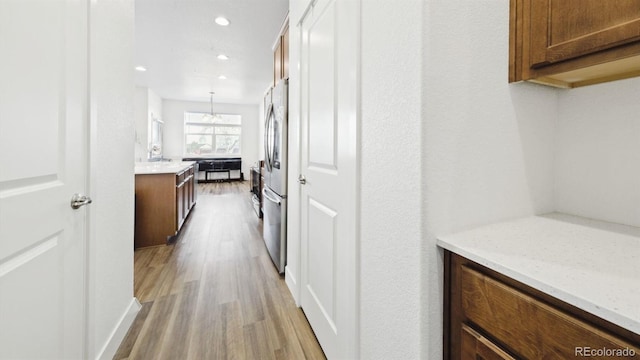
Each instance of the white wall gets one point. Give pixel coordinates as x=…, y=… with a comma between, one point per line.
x=155, y=107
x=598, y=152
x=147, y=106
x=110, y=247
x=488, y=146
x=141, y=120
x=390, y=183
x=154, y=112
x=173, y=116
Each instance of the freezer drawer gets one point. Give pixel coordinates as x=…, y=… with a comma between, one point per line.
x=275, y=227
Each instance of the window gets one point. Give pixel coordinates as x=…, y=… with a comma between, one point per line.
x=212, y=135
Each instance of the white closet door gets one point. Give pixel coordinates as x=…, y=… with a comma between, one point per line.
x=43, y=140
x=329, y=63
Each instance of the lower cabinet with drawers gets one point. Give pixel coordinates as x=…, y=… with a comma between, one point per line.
x=491, y=316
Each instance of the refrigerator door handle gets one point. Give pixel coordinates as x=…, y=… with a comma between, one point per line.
x=267, y=133
x=267, y=195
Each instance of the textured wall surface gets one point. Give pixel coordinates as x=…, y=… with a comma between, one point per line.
x=141, y=116
x=598, y=152
x=147, y=106
x=390, y=180
x=111, y=169
x=487, y=146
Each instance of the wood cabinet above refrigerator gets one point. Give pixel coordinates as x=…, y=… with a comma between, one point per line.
x=281, y=55
x=574, y=43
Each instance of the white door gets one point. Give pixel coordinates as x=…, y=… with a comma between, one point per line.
x=43, y=107
x=329, y=63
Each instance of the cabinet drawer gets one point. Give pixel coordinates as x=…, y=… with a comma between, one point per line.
x=526, y=326
x=475, y=346
x=180, y=178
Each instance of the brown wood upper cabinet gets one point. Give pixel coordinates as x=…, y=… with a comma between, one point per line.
x=573, y=43
x=281, y=56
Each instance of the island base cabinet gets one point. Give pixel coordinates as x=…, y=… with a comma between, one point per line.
x=163, y=202
x=490, y=316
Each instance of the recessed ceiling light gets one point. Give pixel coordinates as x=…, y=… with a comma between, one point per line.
x=222, y=77
x=141, y=68
x=223, y=57
x=222, y=21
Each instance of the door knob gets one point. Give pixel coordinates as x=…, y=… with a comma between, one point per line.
x=301, y=179
x=79, y=200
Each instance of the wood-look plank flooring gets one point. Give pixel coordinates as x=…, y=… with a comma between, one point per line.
x=214, y=293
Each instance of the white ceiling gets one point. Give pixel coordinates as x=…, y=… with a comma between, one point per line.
x=178, y=42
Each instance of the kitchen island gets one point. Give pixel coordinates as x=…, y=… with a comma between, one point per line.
x=550, y=286
x=165, y=194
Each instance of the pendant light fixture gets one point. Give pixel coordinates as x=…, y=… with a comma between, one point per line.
x=211, y=117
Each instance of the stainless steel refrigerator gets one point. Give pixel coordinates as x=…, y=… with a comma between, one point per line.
x=274, y=194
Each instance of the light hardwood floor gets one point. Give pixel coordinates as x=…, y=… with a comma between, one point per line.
x=214, y=293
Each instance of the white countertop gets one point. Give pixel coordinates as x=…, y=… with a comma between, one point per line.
x=161, y=167
x=590, y=264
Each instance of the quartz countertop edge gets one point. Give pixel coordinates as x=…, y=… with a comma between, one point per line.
x=168, y=167
x=590, y=264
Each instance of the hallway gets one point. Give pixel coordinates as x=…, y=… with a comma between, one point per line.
x=215, y=293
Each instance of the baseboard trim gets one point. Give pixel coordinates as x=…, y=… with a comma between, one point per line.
x=117, y=335
x=292, y=284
